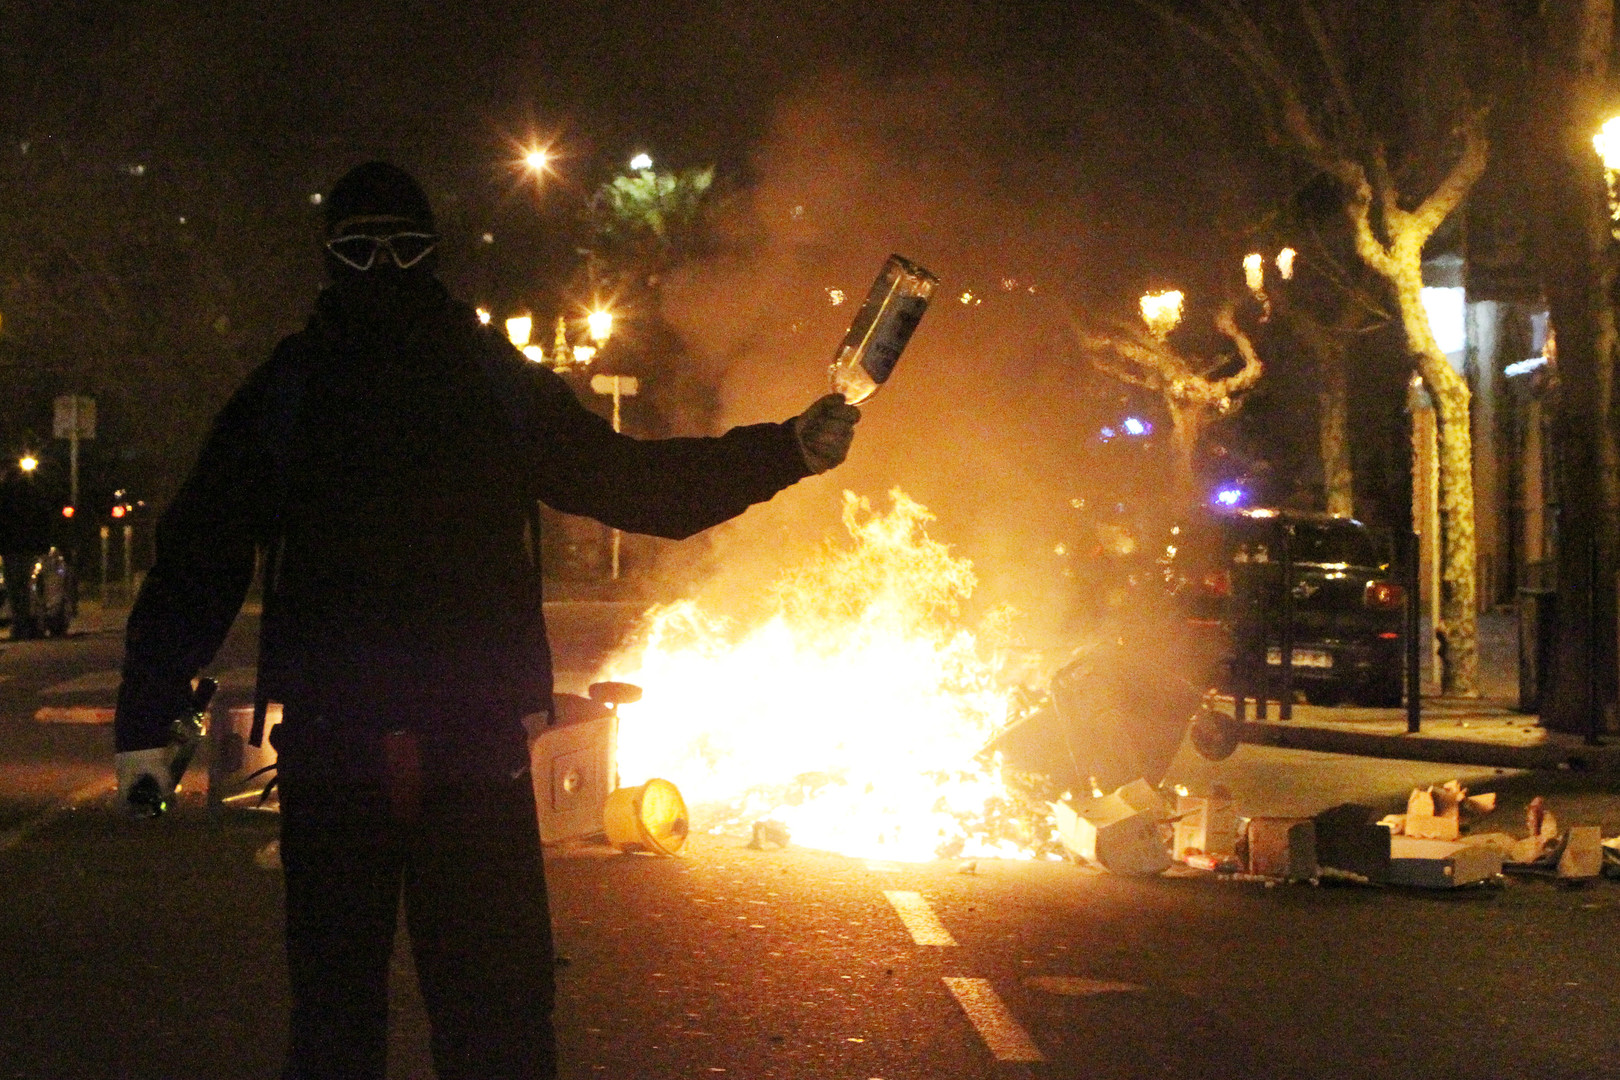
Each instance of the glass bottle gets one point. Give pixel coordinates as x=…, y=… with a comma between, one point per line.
x=881, y=329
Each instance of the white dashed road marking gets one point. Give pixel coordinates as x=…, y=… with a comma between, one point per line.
x=74, y=714
x=1073, y=986
x=925, y=927
x=1005, y=1037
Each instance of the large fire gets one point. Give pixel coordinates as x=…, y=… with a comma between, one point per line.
x=855, y=713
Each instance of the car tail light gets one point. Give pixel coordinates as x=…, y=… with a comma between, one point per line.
x=1383, y=596
x=1217, y=583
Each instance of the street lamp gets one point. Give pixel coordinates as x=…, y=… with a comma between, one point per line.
x=1607, y=144
x=641, y=161
x=28, y=463
x=518, y=329
x=600, y=325
x=1161, y=311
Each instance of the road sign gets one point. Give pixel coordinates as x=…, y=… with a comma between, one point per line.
x=617, y=385
x=74, y=417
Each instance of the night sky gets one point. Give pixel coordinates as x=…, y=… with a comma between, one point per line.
x=1078, y=148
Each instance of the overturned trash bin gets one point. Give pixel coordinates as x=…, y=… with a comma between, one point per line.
x=650, y=818
x=573, y=758
x=1116, y=712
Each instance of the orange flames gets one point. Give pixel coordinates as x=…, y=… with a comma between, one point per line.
x=855, y=714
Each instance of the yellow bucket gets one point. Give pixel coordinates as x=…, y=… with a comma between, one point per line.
x=651, y=817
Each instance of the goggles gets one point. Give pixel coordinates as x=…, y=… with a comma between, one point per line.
x=360, y=251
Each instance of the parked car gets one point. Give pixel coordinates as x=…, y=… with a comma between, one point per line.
x=54, y=589
x=1226, y=570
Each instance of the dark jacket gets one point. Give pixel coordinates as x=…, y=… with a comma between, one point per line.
x=396, y=521
x=25, y=516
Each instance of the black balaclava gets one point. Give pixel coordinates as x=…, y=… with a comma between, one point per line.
x=378, y=190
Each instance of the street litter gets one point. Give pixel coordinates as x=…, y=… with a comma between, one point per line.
x=1206, y=826
x=1438, y=813
x=1128, y=831
x=1280, y=847
x=1120, y=832
x=1350, y=846
x=1440, y=864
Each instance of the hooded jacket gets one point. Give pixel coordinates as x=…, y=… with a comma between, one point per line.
x=395, y=519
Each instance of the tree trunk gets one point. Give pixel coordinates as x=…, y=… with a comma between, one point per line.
x=1186, y=429
x=1459, y=588
x=1332, y=409
x=1333, y=406
x=1575, y=252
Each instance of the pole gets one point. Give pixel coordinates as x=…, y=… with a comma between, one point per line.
x=106, y=537
x=616, y=533
x=73, y=455
x=129, y=571
x=1285, y=696
x=1414, y=631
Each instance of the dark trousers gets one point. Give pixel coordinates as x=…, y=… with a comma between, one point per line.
x=471, y=875
x=19, y=568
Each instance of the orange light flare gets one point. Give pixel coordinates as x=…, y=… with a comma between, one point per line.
x=855, y=712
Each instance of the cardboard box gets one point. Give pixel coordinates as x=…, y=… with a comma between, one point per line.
x=1204, y=824
x=1119, y=832
x=1583, y=853
x=1283, y=847
x=1433, y=813
x=1348, y=839
x=1440, y=864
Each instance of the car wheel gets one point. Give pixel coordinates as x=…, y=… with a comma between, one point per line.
x=1323, y=695
x=1387, y=691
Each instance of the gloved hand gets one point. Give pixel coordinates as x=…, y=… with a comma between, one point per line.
x=131, y=765
x=824, y=431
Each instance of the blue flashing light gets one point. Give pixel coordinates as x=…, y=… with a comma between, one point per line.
x=1229, y=496
x=1133, y=426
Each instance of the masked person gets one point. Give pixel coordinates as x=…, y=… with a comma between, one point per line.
x=387, y=461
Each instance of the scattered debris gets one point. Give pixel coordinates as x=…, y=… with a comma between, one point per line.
x=268, y=857
x=1428, y=863
x=1351, y=846
x=1281, y=847
x=768, y=831
x=1582, y=856
x=1119, y=832
x=1205, y=826
x=1228, y=864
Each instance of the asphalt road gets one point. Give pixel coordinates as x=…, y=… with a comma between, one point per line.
x=136, y=950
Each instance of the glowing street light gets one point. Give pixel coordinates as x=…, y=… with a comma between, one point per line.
x=483, y=316
x=1161, y=311
x=641, y=161
x=537, y=159
x=599, y=323
x=1607, y=144
x=28, y=463
x=518, y=329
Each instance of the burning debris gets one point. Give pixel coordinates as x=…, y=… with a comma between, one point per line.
x=854, y=716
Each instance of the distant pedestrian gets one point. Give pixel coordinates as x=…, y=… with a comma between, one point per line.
x=388, y=461
x=25, y=535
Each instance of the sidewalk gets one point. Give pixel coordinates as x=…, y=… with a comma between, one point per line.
x=1484, y=731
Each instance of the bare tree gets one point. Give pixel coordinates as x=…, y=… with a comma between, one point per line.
x=1328, y=131
x=1192, y=388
